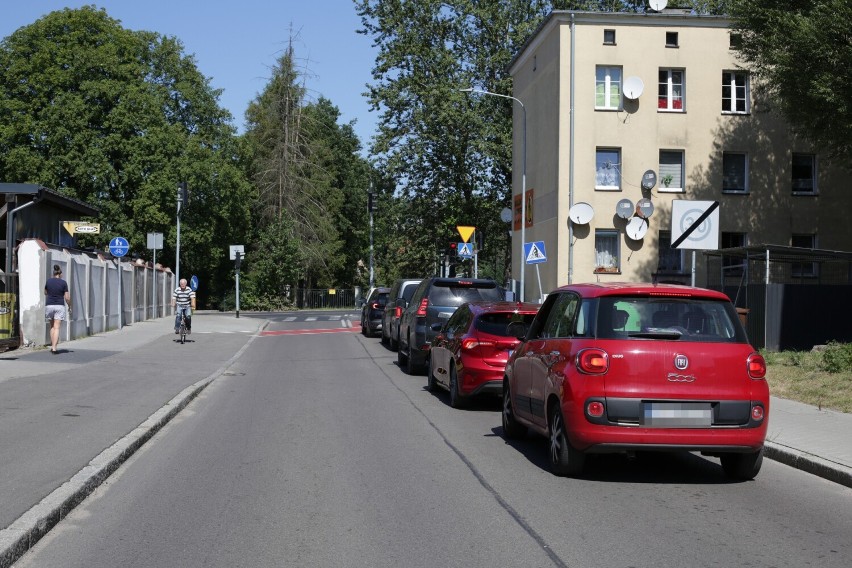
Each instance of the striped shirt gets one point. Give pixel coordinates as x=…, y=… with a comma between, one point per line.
x=183, y=296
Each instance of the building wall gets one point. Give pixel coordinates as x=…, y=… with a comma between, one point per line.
x=768, y=213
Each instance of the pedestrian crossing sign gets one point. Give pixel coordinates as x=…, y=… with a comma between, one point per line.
x=465, y=250
x=534, y=252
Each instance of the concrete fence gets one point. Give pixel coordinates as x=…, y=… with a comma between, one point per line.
x=98, y=302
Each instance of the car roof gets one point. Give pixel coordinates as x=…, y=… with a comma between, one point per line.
x=437, y=281
x=483, y=307
x=598, y=289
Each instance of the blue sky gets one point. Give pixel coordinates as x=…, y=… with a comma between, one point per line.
x=236, y=43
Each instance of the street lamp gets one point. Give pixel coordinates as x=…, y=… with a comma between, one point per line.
x=523, y=177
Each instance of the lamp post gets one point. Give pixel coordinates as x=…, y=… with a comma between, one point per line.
x=523, y=177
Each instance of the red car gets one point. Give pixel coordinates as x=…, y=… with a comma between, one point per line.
x=615, y=367
x=470, y=350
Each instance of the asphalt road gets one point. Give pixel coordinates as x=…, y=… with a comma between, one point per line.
x=316, y=450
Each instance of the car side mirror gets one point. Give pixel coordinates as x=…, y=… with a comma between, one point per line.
x=517, y=329
x=401, y=303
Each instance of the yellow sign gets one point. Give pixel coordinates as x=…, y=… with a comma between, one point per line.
x=466, y=232
x=332, y=292
x=74, y=227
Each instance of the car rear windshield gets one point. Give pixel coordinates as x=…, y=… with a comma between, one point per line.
x=684, y=319
x=496, y=323
x=408, y=290
x=457, y=294
x=382, y=298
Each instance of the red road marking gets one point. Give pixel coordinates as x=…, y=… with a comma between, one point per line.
x=310, y=331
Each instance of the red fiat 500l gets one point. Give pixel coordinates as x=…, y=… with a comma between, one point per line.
x=625, y=367
x=469, y=352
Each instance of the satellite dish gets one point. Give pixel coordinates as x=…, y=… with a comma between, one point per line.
x=633, y=87
x=658, y=5
x=506, y=215
x=624, y=209
x=581, y=213
x=645, y=207
x=649, y=180
x=636, y=228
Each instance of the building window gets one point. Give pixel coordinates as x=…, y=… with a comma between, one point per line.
x=608, y=88
x=735, y=97
x=606, y=250
x=609, y=37
x=671, y=39
x=734, y=172
x=805, y=269
x=804, y=174
x=671, y=90
x=671, y=170
x=735, y=41
x=671, y=259
x=732, y=266
x=608, y=169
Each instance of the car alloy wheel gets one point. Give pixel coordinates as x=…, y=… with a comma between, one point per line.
x=511, y=427
x=564, y=459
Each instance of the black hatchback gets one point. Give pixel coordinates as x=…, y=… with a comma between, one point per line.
x=372, y=311
x=434, y=301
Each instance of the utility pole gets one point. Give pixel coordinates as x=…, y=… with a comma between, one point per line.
x=182, y=197
x=371, y=206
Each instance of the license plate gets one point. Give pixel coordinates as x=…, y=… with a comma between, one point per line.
x=677, y=415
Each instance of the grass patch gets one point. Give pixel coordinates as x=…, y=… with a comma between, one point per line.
x=821, y=378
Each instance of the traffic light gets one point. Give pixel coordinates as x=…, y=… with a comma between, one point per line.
x=183, y=193
x=480, y=241
x=451, y=251
x=237, y=260
x=371, y=202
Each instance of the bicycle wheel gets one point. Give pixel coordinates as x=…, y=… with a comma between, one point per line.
x=182, y=330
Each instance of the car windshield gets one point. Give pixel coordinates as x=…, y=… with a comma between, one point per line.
x=686, y=319
x=497, y=323
x=456, y=295
x=382, y=298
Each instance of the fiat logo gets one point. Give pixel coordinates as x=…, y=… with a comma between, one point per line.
x=681, y=362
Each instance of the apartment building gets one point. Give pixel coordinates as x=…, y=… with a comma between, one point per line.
x=637, y=131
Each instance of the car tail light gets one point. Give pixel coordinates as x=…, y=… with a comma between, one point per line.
x=397, y=312
x=374, y=305
x=593, y=361
x=757, y=413
x=595, y=408
x=472, y=343
x=421, y=310
x=756, y=366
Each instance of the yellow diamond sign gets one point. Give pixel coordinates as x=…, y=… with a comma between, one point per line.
x=465, y=232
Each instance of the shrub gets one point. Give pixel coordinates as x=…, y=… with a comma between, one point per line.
x=837, y=357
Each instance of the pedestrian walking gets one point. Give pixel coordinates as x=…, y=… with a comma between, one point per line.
x=57, y=296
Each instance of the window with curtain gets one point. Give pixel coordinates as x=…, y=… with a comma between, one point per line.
x=671, y=170
x=671, y=90
x=607, y=88
x=670, y=259
x=804, y=174
x=606, y=251
x=608, y=169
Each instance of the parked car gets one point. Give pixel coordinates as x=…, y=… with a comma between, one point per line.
x=469, y=352
x=403, y=288
x=434, y=301
x=625, y=367
x=372, y=311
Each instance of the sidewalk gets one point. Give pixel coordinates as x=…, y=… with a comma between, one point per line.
x=59, y=412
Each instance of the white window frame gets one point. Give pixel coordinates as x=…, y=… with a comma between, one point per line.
x=607, y=251
x=609, y=79
x=610, y=172
x=736, y=92
x=731, y=161
x=671, y=167
x=803, y=185
x=670, y=91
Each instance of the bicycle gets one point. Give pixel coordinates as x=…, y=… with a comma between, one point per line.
x=182, y=327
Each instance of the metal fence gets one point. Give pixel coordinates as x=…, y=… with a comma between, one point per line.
x=332, y=298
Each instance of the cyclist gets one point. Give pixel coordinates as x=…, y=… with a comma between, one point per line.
x=183, y=298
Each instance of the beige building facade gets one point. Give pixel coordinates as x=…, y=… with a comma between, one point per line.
x=609, y=101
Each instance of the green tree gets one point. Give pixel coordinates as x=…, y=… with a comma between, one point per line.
x=116, y=118
x=802, y=53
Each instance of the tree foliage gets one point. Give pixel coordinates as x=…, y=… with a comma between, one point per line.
x=117, y=118
x=802, y=52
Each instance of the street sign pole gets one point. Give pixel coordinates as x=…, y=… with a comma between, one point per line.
x=118, y=247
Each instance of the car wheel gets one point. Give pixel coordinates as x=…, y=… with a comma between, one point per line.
x=402, y=358
x=394, y=343
x=364, y=331
x=742, y=466
x=410, y=366
x=456, y=398
x=511, y=427
x=385, y=338
x=564, y=459
x=431, y=383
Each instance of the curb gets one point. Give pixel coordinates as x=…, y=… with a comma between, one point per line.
x=809, y=463
x=24, y=532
